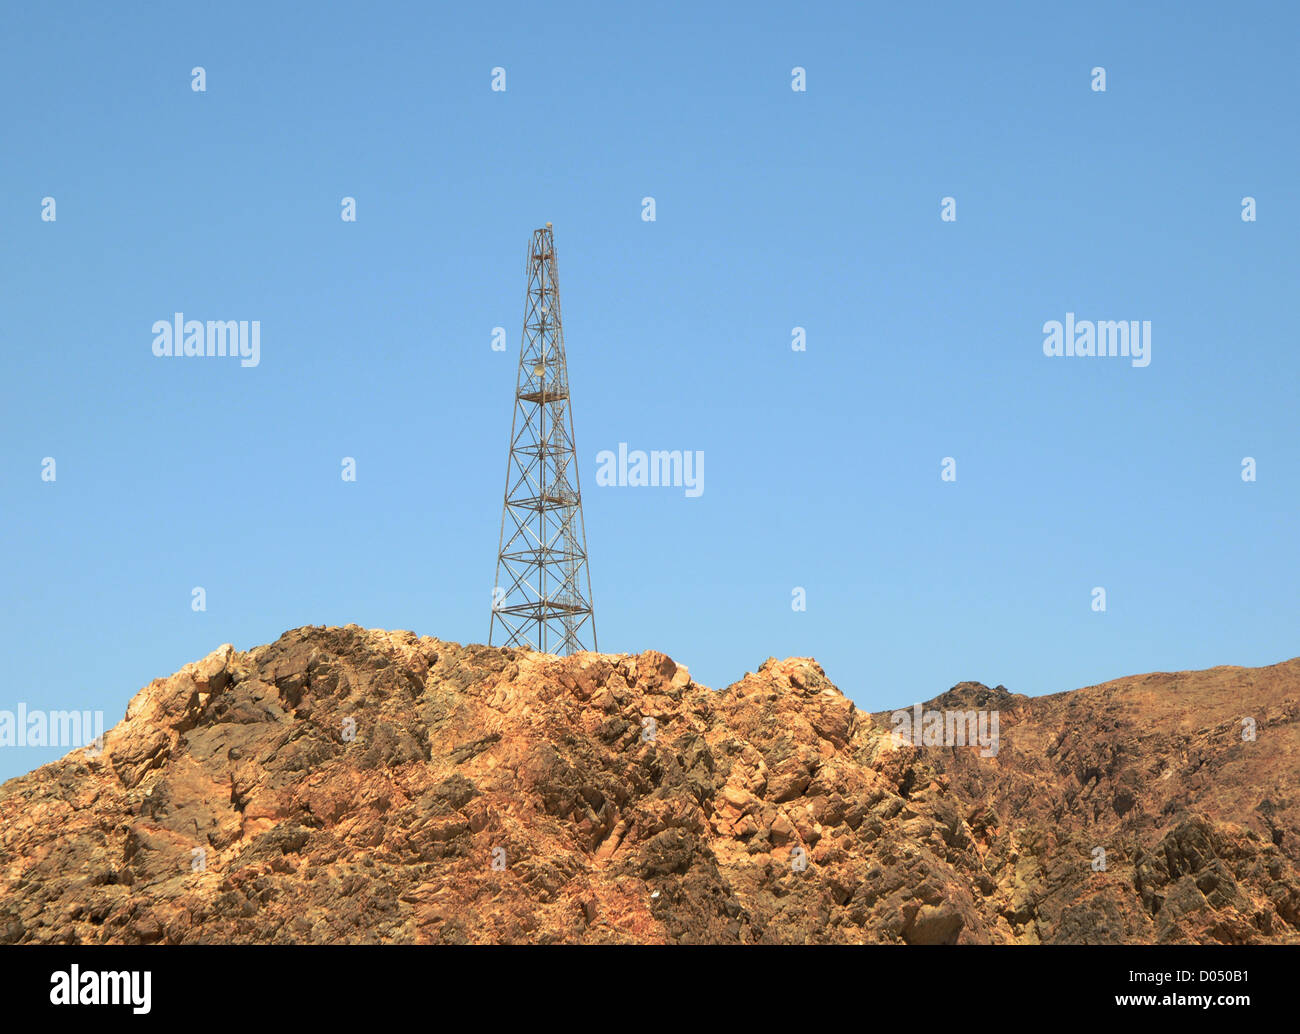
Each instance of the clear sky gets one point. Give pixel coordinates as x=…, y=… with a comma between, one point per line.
x=774, y=209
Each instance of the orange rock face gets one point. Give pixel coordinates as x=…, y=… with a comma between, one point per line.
x=345, y=785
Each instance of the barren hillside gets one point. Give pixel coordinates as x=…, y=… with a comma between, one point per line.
x=350, y=785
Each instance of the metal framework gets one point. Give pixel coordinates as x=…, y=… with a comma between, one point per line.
x=542, y=595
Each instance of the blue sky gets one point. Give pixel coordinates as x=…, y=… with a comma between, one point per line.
x=774, y=209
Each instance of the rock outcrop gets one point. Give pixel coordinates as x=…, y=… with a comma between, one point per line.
x=346, y=785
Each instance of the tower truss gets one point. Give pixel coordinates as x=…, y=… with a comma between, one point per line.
x=542, y=595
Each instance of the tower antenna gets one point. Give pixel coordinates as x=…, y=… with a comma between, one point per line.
x=542, y=596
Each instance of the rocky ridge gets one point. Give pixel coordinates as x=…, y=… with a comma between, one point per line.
x=352, y=785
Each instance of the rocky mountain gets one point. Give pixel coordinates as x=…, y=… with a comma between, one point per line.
x=346, y=785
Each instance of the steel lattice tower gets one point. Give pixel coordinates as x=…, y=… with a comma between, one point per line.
x=542, y=595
